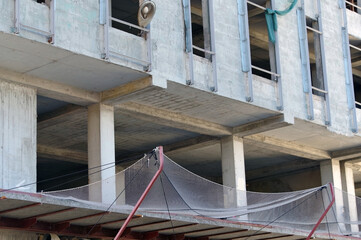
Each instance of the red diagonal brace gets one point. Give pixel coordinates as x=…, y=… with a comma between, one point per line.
x=324, y=214
x=161, y=161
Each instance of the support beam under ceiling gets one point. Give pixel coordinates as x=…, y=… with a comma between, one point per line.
x=287, y=147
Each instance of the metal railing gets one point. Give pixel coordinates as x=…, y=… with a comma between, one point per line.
x=275, y=72
x=265, y=71
x=353, y=6
x=190, y=47
x=313, y=30
x=107, y=52
x=18, y=26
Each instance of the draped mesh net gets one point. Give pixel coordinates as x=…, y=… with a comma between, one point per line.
x=180, y=192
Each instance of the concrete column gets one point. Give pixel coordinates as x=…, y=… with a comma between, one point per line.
x=233, y=167
x=331, y=173
x=101, y=150
x=17, y=137
x=348, y=185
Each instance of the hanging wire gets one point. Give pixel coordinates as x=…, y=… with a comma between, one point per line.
x=327, y=224
x=67, y=175
x=334, y=213
x=284, y=214
x=166, y=202
x=125, y=187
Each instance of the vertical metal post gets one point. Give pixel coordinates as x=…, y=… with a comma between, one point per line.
x=278, y=68
x=149, y=49
x=348, y=69
x=323, y=60
x=160, y=169
x=52, y=21
x=305, y=60
x=105, y=54
x=16, y=29
x=188, y=40
x=245, y=46
x=324, y=213
x=213, y=45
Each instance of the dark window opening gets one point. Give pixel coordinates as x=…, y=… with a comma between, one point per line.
x=46, y=2
x=315, y=55
x=200, y=28
x=352, y=7
x=125, y=10
x=262, y=50
x=355, y=53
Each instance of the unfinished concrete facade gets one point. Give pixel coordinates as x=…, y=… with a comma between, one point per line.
x=80, y=88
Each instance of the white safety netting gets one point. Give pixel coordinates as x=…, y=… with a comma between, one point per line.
x=180, y=192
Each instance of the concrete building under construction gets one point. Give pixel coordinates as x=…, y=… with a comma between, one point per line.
x=255, y=104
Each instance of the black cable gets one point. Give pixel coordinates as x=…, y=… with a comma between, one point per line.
x=181, y=196
x=166, y=202
x=101, y=217
x=283, y=214
x=75, y=179
x=324, y=208
x=334, y=213
x=61, y=176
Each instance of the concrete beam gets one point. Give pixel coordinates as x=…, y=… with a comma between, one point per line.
x=52, y=89
x=173, y=119
x=358, y=185
x=57, y=116
x=347, y=154
x=356, y=72
x=283, y=169
x=62, y=154
x=286, y=147
x=255, y=12
x=115, y=95
x=191, y=144
x=259, y=126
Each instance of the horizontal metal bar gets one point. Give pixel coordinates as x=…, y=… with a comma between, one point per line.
x=202, y=50
x=354, y=47
x=319, y=90
x=134, y=60
x=256, y=5
x=265, y=71
x=26, y=27
x=128, y=24
x=313, y=30
x=358, y=104
x=356, y=6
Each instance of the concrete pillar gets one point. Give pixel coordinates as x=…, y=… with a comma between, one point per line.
x=348, y=185
x=17, y=137
x=233, y=166
x=331, y=173
x=101, y=150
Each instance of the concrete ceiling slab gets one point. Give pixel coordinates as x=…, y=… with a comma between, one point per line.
x=313, y=135
x=50, y=62
x=20, y=61
x=204, y=105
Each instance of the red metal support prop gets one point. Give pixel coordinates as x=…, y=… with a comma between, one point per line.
x=324, y=214
x=161, y=162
